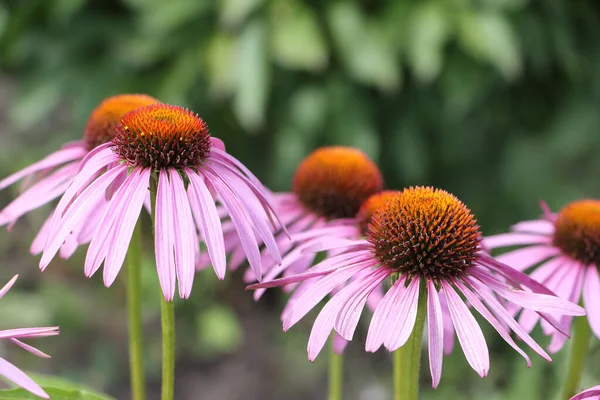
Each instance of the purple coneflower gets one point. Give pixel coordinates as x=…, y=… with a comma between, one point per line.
x=591, y=393
x=50, y=177
x=7, y=369
x=167, y=148
x=565, y=251
x=428, y=242
x=329, y=187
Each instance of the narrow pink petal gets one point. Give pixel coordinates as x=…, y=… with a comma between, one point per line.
x=9, y=285
x=130, y=199
x=404, y=313
x=164, y=236
x=539, y=226
x=341, y=231
x=524, y=258
x=349, y=315
x=321, y=329
x=23, y=333
x=208, y=221
x=333, y=243
x=435, y=323
x=30, y=349
x=240, y=221
x=504, y=315
x=185, y=241
x=79, y=209
x=591, y=298
x=587, y=394
x=14, y=374
x=339, y=343
x=485, y=313
x=448, y=327
x=318, y=291
x=513, y=239
x=51, y=161
x=39, y=242
x=469, y=333
x=382, y=315
x=69, y=247
x=570, y=289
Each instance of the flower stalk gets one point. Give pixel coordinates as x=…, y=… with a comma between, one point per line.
x=336, y=372
x=579, y=350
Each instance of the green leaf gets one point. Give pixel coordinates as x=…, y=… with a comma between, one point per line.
x=366, y=50
x=490, y=37
x=296, y=40
x=253, y=76
x=428, y=32
x=54, y=393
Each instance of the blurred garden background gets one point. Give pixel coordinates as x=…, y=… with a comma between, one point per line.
x=496, y=101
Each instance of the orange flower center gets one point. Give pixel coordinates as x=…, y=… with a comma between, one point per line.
x=335, y=181
x=577, y=231
x=101, y=125
x=160, y=136
x=370, y=206
x=426, y=232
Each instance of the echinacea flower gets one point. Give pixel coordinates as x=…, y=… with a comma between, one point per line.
x=169, y=150
x=428, y=242
x=8, y=370
x=329, y=187
x=562, y=252
x=591, y=393
x=49, y=178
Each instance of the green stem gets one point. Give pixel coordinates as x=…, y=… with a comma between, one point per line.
x=579, y=350
x=167, y=319
x=407, y=358
x=336, y=373
x=134, y=305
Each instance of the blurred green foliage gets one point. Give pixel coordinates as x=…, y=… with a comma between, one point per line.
x=494, y=100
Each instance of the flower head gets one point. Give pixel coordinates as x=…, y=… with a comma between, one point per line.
x=427, y=241
x=8, y=370
x=49, y=178
x=562, y=252
x=369, y=207
x=591, y=393
x=168, y=149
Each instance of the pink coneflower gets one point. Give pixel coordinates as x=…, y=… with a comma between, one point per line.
x=591, y=393
x=7, y=369
x=171, y=145
x=49, y=178
x=329, y=187
x=427, y=241
x=563, y=253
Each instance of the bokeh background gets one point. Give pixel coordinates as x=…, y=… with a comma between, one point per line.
x=496, y=101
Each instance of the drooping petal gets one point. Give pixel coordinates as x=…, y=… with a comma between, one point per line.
x=30, y=349
x=14, y=374
x=163, y=236
x=24, y=333
x=448, y=327
x=208, y=221
x=435, y=325
x=513, y=239
x=405, y=315
x=587, y=394
x=469, y=333
x=539, y=226
x=591, y=298
x=527, y=257
x=339, y=343
x=8, y=285
x=382, y=315
x=185, y=239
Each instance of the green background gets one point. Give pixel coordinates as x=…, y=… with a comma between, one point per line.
x=494, y=100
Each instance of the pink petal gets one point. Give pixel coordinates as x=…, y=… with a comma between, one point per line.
x=322, y=328
x=129, y=200
x=339, y=343
x=77, y=212
x=382, y=315
x=30, y=349
x=468, y=331
x=586, y=394
x=436, y=333
x=591, y=298
x=539, y=226
x=39, y=242
x=513, y=239
x=448, y=327
x=524, y=258
x=23, y=333
x=404, y=313
x=185, y=236
x=14, y=374
x=51, y=161
x=9, y=285
x=208, y=221
x=164, y=236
